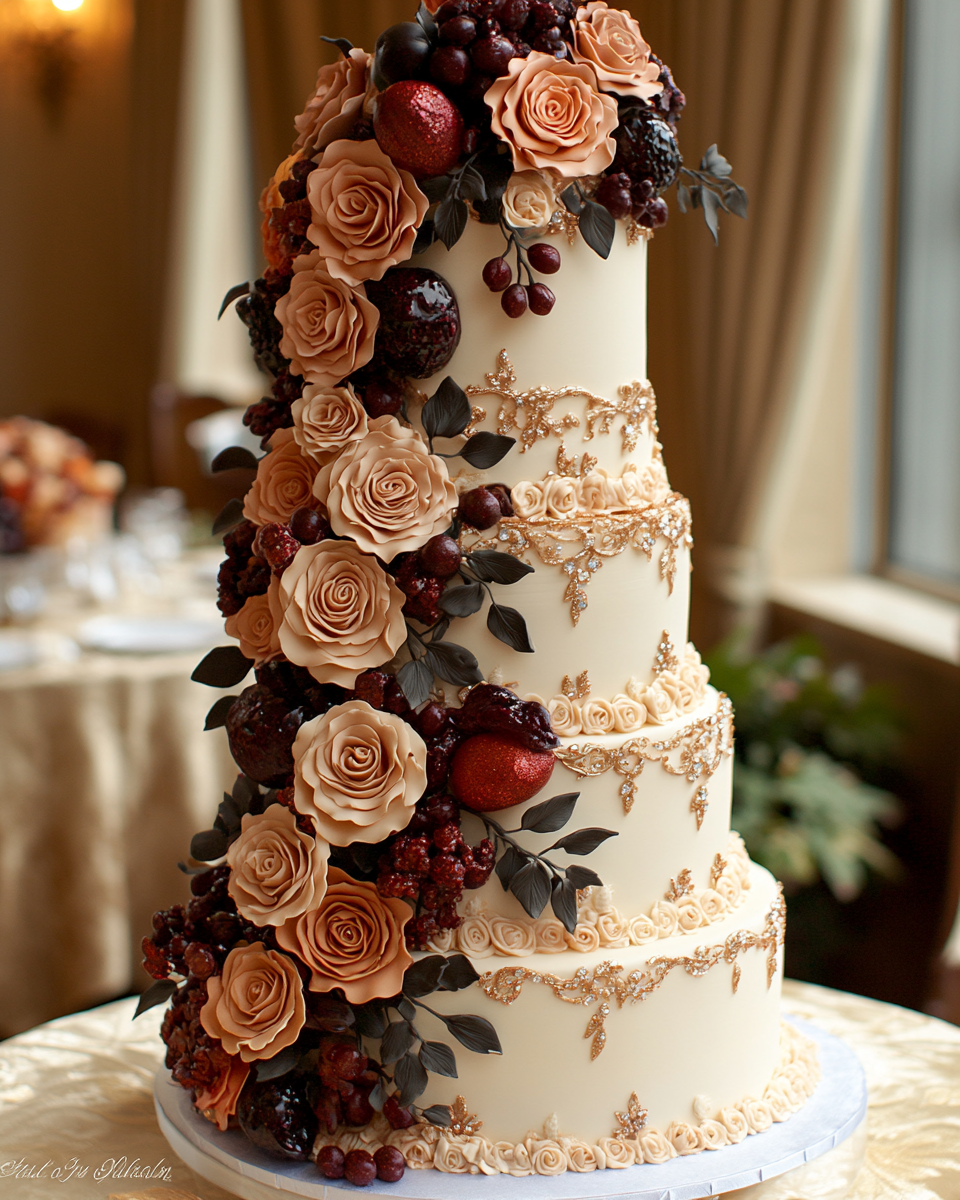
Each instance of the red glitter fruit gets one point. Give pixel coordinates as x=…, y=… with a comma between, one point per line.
x=390, y=1164
x=491, y=772
x=330, y=1161
x=419, y=128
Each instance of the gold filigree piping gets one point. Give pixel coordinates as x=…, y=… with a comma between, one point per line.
x=606, y=984
x=702, y=745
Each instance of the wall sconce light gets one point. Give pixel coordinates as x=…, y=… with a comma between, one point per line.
x=48, y=37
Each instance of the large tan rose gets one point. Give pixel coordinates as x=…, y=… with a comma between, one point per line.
x=529, y=200
x=276, y=871
x=337, y=101
x=610, y=41
x=387, y=492
x=283, y=484
x=365, y=211
x=352, y=940
x=328, y=326
x=256, y=1007
x=218, y=1102
x=326, y=418
x=256, y=625
x=341, y=612
x=550, y=114
x=358, y=773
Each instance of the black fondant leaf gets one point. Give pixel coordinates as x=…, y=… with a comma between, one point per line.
x=416, y=680
x=509, y=627
x=450, y=220
x=208, y=845
x=246, y=793
x=341, y=44
x=476, y=1033
x=447, y=412
x=157, y=993
x=182, y=866
x=563, y=901
x=234, y=458
x=371, y=1019
x=240, y=289
x=572, y=200
x=507, y=866
x=496, y=169
x=584, y=841
x=597, y=228
x=396, y=1041
x=222, y=667
x=228, y=815
x=405, y=1008
x=426, y=22
x=493, y=566
x=378, y=1097
x=736, y=199
x=426, y=236
x=410, y=1077
x=453, y=663
x=713, y=163
x=684, y=200
x=438, y=1058
x=551, y=815
x=711, y=212
x=531, y=886
x=471, y=185
x=462, y=601
x=217, y=715
x=435, y=188
x=423, y=977
x=229, y=517
x=484, y=450
x=280, y=1064
x=437, y=1114
x=458, y=973
x=583, y=877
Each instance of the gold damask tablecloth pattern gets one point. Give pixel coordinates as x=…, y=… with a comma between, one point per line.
x=76, y=1095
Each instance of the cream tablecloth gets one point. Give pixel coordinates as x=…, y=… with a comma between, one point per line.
x=76, y=1096
x=105, y=772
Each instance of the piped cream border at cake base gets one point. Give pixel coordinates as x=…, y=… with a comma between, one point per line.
x=463, y=1150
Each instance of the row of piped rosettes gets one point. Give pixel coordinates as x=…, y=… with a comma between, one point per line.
x=683, y=909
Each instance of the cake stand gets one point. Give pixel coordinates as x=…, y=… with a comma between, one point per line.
x=831, y=1115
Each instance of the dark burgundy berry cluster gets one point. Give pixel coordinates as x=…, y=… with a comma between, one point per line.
x=195, y=1059
x=242, y=573
x=285, y=228
x=360, y=1167
x=273, y=412
x=518, y=297
x=671, y=102
x=277, y=544
x=422, y=576
x=256, y=311
x=646, y=163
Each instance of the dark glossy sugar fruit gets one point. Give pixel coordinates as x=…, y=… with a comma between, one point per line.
x=544, y=258
x=450, y=66
x=440, y=556
x=541, y=299
x=359, y=1168
x=491, y=709
x=276, y=1117
x=614, y=194
x=514, y=300
x=330, y=1162
x=390, y=1164
x=308, y=527
x=418, y=127
x=479, y=508
x=261, y=728
x=382, y=397
x=419, y=321
x=646, y=147
x=502, y=493
x=497, y=274
x=402, y=52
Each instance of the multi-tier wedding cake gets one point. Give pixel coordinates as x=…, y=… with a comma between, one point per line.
x=474, y=903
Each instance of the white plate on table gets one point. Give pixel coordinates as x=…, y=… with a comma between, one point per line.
x=149, y=635
x=16, y=651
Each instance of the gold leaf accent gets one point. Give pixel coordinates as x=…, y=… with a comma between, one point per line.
x=461, y=1120
x=736, y=977
x=607, y=982
x=718, y=868
x=574, y=464
x=565, y=223
x=680, y=886
x=701, y=745
x=576, y=691
x=632, y=1121
x=477, y=416
x=665, y=658
x=637, y=232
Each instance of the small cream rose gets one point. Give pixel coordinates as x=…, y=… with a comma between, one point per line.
x=283, y=484
x=610, y=41
x=256, y=1007
x=513, y=1159
x=337, y=101
x=628, y=714
x=712, y=905
x=358, y=773
x=612, y=929
x=341, y=612
x=618, y=1153
x=352, y=940
x=550, y=114
x=596, y=494
x=528, y=500
x=256, y=626
x=564, y=716
x=580, y=1156
x=655, y=1147
x=529, y=201
x=685, y=1138
x=547, y=1158
x=689, y=914
x=513, y=938
x=326, y=418
x=714, y=1135
x=777, y=1101
x=658, y=701
x=473, y=937
x=665, y=917
x=365, y=211
x=276, y=871
x=597, y=716
x=642, y=930
x=329, y=327
x=584, y=938
x=756, y=1113
x=561, y=496
x=450, y=1158
x=735, y=1124
x=387, y=492
x=729, y=889
x=550, y=935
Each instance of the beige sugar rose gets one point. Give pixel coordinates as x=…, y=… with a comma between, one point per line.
x=329, y=327
x=326, y=418
x=584, y=938
x=547, y=1158
x=655, y=1147
x=283, y=484
x=513, y=938
x=364, y=210
x=528, y=500
x=529, y=200
x=609, y=39
x=617, y=1153
x=256, y=1007
x=628, y=714
x=276, y=871
x=337, y=101
x=564, y=716
x=341, y=612
x=550, y=114
x=352, y=940
x=256, y=625
x=550, y=935
x=387, y=492
x=358, y=773
x=561, y=496
x=473, y=937
x=597, y=716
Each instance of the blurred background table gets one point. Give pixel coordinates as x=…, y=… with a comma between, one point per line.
x=105, y=772
x=80, y=1090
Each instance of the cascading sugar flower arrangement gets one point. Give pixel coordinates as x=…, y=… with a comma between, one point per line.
x=396, y=743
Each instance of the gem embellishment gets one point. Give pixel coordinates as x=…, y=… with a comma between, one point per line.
x=576, y=465
x=461, y=1120
x=666, y=657
x=632, y=1121
x=679, y=887
x=576, y=691
x=607, y=985
x=636, y=404
x=718, y=868
x=701, y=746
x=565, y=223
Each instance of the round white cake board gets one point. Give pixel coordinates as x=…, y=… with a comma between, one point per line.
x=831, y=1115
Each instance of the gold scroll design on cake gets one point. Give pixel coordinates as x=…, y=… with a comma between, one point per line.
x=698, y=748
x=579, y=547
x=635, y=403
x=607, y=984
